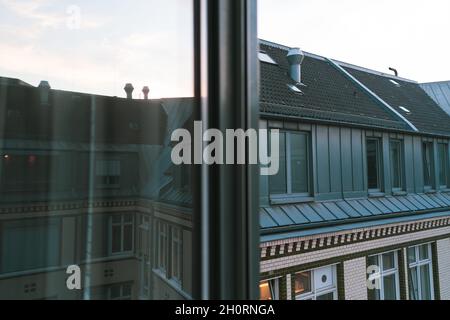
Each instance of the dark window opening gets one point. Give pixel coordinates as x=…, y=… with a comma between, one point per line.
x=373, y=164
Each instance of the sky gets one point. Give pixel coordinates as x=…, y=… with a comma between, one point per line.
x=409, y=35
x=99, y=46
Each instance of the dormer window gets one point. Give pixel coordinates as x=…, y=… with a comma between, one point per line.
x=264, y=57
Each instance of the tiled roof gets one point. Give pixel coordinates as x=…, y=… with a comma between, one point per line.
x=440, y=92
x=425, y=114
x=328, y=94
x=329, y=212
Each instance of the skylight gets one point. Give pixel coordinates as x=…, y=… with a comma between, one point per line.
x=405, y=109
x=264, y=57
x=295, y=88
x=395, y=83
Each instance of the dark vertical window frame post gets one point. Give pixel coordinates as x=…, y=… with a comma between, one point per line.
x=227, y=83
x=435, y=267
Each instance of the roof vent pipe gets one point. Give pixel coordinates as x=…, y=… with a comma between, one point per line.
x=394, y=71
x=129, y=90
x=145, y=91
x=44, y=91
x=295, y=58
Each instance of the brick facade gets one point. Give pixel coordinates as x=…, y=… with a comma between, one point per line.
x=355, y=280
x=443, y=250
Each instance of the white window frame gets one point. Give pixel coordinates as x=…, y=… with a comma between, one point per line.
x=419, y=263
x=122, y=224
x=275, y=285
x=379, y=276
x=316, y=293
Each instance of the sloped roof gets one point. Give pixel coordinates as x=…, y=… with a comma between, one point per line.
x=328, y=94
x=333, y=212
x=425, y=114
x=439, y=92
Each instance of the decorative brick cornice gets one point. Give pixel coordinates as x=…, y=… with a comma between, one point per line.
x=295, y=246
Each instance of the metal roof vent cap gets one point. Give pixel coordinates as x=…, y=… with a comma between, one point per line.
x=44, y=92
x=129, y=90
x=295, y=58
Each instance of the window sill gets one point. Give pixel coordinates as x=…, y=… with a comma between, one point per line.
x=376, y=194
x=399, y=193
x=429, y=191
x=290, y=199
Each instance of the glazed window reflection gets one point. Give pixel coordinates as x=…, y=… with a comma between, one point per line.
x=88, y=100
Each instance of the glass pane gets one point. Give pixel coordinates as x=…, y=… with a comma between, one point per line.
x=428, y=164
x=425, y=282
x=373, y=164
x=303, y=283
x=90, y=94
x=374, y=294
x=116, y=239
x=390, y=287
x=374, y=261
x=412, y=255
x=278, y=183
x=413, y=284
x=299, y=163
x=328, y=296
x=396, y=164
x=265, y=291
x=389, y=261
x=443, y=164
x=424, y=253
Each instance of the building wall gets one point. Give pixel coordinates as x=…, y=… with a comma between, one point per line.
x=443, y=249
x=338, y=156
x=355, y=279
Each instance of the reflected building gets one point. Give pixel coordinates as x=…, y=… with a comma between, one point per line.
x=87, y=180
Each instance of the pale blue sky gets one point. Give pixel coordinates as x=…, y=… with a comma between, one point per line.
x=410, y=35
x=149, y=42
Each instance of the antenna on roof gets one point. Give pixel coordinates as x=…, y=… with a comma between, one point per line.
x=395, y=71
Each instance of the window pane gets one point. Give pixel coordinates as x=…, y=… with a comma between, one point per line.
x=128, y=238
x=425, y=282
x=299, y=163
x=264, y=291
x=303, y=283
x=424, y=252
x=389, y=261
x=116, y=239
x=443, y=164
x=428, y=164
x=413, y=284
x=373, y=261
x=328, y=296
x=373, y=164
x=412, y=255
x=374, y=294
x=390, y=287
x=396, y=164
x=278, y=183
x=90, y=95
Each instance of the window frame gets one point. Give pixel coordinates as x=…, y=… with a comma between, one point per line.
x=379, y=276
x=420, y=263
x=401, y=165
x=176, y=241
x=289, y=195
x=313, y=294
x=379, y=163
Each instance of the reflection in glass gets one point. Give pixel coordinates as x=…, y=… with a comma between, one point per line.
x=86, y=176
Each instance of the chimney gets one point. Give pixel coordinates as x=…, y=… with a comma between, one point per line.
x=295, y=58
x=44, y=89
x=145, y=91
x=129, y=90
